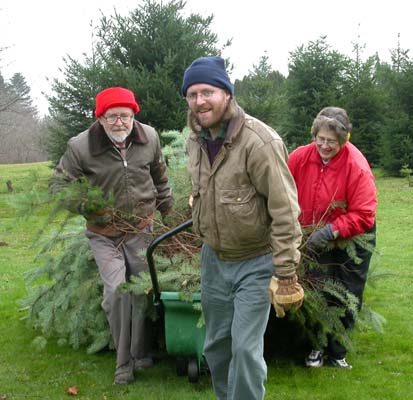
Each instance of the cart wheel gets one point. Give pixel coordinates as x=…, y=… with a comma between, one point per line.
x=204, y=369
x=181, y=366
x=193, y=370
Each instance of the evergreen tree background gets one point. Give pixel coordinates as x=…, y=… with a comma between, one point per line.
x=364, y=102
x=376, y=95
x=396, y=133
x=20, y=128
x=261, y=93
x=19, y=89
x=315, y=80
x=146, y=51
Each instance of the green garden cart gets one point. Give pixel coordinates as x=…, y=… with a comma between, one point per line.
x=183, y=338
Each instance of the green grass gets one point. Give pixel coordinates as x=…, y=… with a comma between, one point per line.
x=382, y=363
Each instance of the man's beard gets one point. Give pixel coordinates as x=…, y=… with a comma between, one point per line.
x=118, y=136
x=195, y=124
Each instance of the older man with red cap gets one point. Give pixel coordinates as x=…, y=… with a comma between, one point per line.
x=122, y=157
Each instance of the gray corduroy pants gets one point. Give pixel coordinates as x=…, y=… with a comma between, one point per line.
x=236, y=306
x=118, y=259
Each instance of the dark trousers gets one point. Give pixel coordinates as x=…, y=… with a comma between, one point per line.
x=341, y=268
x=118, y=259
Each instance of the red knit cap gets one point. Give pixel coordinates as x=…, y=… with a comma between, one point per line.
x=115, y=97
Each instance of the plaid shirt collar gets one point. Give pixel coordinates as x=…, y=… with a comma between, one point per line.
x=206, y=134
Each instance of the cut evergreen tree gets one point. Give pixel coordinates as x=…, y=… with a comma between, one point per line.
x=65, y=292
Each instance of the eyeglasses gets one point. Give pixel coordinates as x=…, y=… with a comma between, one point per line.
x=204, y=94
x=112, y=119
x=329, y=142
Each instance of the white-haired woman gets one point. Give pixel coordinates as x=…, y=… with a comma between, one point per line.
x=337, y=197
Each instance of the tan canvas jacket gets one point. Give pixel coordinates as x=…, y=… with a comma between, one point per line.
x=245, y=204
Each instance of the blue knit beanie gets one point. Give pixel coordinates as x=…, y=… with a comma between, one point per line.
x=210, y=70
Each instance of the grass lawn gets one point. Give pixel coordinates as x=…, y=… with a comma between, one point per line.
x=382, y=363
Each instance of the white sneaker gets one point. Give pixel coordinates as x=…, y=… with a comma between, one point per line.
x=340, y=363
x=314, y=359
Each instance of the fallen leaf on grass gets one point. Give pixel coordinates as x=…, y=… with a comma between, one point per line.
x=72, y=390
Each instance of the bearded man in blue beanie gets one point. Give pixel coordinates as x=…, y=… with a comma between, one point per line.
x=245, y=210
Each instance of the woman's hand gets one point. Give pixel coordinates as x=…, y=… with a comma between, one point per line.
x=319, y=239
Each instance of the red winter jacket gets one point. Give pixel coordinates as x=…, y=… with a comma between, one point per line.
x=342, y=192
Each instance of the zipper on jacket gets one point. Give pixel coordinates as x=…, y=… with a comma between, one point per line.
x=124, y=161
x=122, y=154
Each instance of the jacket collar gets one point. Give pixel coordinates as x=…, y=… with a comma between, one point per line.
x=99, y=141
x=334, y=162
x=235, y=125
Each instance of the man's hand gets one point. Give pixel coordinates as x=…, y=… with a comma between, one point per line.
x=165, y=213
x=318, y=240
x=167, y=216
x=285, y=294
x=101, y=217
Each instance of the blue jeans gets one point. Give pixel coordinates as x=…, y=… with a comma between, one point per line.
x=236, y=307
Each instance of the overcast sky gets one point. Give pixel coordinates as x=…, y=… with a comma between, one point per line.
x=40, y=33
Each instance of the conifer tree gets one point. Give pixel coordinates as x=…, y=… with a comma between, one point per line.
x=396, y=137
x=65, y=292
x=146, y=51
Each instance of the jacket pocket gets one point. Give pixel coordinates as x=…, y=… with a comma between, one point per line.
x=238, y=200
x=243, y=216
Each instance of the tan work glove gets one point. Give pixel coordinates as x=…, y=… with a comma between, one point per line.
x=285, y=293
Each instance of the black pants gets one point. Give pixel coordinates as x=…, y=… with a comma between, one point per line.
x=341, y=268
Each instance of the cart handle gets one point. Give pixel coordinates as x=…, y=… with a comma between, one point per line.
x=151, y=263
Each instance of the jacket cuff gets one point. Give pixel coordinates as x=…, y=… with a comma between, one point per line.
x=165, y=205
x=285, y=271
